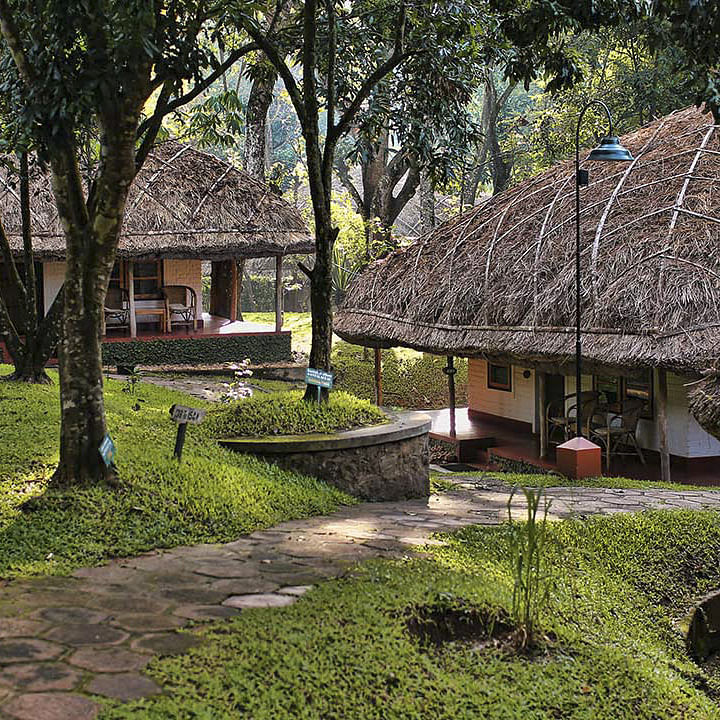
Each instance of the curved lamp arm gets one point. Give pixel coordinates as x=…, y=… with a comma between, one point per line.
x=592, y=103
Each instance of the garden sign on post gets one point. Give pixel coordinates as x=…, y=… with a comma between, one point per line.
x=319, y=378
x=183, y=415
x=107, y=451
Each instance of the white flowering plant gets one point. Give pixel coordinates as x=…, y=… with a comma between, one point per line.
x=238, y=388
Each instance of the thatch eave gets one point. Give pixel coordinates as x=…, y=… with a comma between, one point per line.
x=184, y=204
x=704, y=402
x=538, y=347
x=499, y=280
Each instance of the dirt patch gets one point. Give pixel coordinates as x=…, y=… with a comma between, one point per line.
x=441, y=622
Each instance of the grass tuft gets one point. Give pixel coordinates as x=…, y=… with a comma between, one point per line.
x=286, y=413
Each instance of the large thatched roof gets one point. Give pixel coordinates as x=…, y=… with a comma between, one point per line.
x=183, y=204
x=499, y=279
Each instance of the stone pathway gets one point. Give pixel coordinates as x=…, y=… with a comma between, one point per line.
x=64, y=641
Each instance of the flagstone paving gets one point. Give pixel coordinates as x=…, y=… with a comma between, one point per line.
x=66, y=641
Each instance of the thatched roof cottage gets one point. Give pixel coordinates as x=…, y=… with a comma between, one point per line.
x=496, y=285
x=185, y=207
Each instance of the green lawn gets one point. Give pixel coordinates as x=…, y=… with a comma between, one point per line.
x=214, y=495
x=298, y=323
x=343, y=652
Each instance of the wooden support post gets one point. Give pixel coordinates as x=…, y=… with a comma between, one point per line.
x=278, y=293
x=541, y=414
x=450, y=372
x=233, y=299
x=378, y=378
x=131, y=294
x=662, y=423
x=224, y=289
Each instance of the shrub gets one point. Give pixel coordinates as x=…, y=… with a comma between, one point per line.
x=410, y=382
x=286, y=413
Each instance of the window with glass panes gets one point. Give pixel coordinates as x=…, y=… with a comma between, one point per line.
x=148, y=278
x=614, y=390
x=499, y=377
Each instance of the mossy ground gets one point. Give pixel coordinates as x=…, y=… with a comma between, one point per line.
x=343, y=651
x=213, y=495
x=539, y=480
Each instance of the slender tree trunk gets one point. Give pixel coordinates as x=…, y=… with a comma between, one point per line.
x=256, y=136
x=30, y=352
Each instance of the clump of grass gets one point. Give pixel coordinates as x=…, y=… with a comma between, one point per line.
x=531, y=582
x=287, y=413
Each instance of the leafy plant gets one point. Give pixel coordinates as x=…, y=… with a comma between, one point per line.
x=132, y=379
x=531, y=582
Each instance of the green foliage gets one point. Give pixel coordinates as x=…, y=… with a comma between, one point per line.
x=343, y=652
x=198, y=350
x=531, y=584
x=414, y=381
x=261, y=296
x=213, y=495
x=286, y=413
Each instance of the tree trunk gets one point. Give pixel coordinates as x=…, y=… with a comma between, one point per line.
x=92, y=230
x=321, y=302
x=30, y=352
x=257, y=152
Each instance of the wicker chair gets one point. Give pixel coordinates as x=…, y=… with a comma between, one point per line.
x=611, y=434
x=117, y=308
x=589, y=400
x=556, y=421
x=177, y=306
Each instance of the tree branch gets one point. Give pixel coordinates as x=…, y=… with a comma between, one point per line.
x=397, y=58
x=10, y=32
x=274, y=55
x=343, y=172
x=407, y=192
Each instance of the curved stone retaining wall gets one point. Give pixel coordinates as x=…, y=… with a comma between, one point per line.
x=384, y=462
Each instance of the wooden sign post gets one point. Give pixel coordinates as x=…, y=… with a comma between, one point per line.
x=183, y=416
x=319, y=378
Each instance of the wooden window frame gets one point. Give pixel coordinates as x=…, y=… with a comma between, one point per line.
x=622, y=392
x=504, y=387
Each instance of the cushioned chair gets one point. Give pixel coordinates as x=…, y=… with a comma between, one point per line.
x=180, y=306
x=117, y=308
x=614, y=430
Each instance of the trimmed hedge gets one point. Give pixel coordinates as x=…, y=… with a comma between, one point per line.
x=198, y=350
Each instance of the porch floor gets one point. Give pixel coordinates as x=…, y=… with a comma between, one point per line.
x=208, y=326
x=481, y=442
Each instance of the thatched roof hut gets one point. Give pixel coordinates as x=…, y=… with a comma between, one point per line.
x=498, y=281
x=184, y=203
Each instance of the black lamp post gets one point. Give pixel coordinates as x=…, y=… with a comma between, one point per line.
x=609, y=150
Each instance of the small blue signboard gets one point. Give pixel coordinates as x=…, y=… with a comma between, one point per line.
x=321, y=378
x=108, y=451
